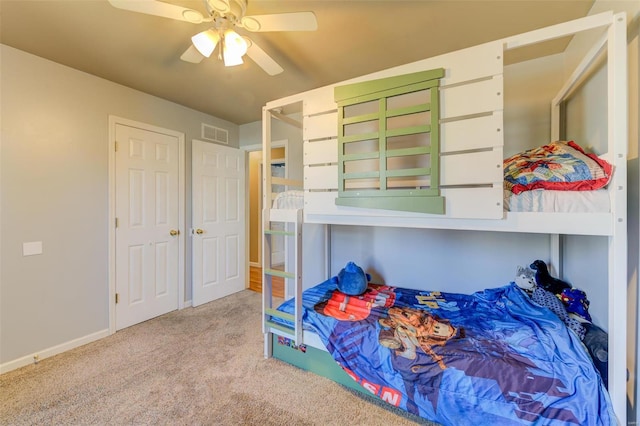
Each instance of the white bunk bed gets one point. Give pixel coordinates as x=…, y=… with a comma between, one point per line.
x=471, y=95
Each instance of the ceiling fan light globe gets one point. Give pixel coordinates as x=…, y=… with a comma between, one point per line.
x=206, y=42
x=231, y=60
x=234, y=44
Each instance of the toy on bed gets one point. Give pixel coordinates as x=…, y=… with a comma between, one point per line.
x=576, y=303
x=352, y=280
x=545, y=280
x=526, y=281
x=571, y=306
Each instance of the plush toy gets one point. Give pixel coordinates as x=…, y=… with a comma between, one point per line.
x=352, y=280
x=549, y=300
x=576, y=303
x=545, y=280
x=525, y=279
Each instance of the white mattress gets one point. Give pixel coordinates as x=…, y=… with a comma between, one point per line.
x=558, y=201
x=528, y=201
x=289, y=200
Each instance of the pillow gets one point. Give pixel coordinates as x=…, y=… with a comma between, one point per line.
x=560, y=166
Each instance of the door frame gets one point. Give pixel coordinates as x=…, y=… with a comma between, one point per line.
x=113, y=121
x=281, y=143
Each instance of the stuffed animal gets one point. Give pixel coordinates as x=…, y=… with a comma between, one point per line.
x=549, y=300
x=576, y=303
x=525, y=279
x=352, y=280
x=545, y=280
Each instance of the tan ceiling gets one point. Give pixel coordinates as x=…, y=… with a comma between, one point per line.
x=353, y=38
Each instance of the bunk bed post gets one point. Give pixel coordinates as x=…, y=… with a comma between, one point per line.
x=327, y=249
x=267, y=298
x=618, y=136
x=555, y=240
x=298, y=276
x=267, y=294
x=555, y=254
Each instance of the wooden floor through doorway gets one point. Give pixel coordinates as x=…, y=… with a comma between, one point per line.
x=255, y=282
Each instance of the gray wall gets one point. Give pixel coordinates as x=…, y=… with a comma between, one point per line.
x=54, y=181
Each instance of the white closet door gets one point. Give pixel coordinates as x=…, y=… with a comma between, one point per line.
x=218, y=236
x=147, y=235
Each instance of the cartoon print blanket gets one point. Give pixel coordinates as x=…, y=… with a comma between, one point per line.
x=492, y=357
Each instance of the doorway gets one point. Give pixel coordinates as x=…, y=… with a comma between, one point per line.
x=279, y=156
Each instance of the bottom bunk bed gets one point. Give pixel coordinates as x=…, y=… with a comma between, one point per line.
x=494, y=356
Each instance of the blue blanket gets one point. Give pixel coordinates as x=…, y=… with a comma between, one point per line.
x=492, y=357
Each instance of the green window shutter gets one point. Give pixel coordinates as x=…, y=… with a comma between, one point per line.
x=389, y=146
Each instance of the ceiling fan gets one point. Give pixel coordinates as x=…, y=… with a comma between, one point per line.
x=225, y=16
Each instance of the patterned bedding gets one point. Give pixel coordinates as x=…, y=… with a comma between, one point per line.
x=560, y=165
x=492, y=357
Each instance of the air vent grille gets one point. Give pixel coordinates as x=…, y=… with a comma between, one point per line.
x=215, y=134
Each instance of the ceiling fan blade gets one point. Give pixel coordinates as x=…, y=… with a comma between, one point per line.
x=192, y=55
x=295, y=21
x=158, y=8
x=261, y=58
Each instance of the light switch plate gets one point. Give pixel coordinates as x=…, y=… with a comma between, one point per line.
x=31, y=248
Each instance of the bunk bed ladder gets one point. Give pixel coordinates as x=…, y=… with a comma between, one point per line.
x=293, y=230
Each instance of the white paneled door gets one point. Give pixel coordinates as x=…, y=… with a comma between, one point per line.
x=218, y=235
x=147, y=231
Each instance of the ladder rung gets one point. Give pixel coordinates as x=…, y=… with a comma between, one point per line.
x=278, y=232
x=279, y=314
x=280, y=327
x=277, y=273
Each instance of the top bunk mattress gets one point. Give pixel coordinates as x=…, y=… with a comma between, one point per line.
x=549, y=201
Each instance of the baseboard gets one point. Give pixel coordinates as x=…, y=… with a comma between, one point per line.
x=49, y=352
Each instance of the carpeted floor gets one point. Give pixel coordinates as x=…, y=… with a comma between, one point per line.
x=198, y=366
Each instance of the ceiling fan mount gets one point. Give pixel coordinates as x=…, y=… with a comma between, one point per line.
x=225, y=16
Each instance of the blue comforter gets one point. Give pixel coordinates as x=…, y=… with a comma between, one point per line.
x=490, y=358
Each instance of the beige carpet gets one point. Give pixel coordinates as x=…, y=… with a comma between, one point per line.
x=198, y=366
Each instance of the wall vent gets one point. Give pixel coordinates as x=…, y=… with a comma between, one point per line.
x=215, y=134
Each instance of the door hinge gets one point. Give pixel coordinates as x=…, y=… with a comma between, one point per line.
x=116, y=222
x=116, y=146
x=117, y=297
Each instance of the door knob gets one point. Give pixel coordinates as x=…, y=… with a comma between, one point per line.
x=174, y=232
x=199, y=231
